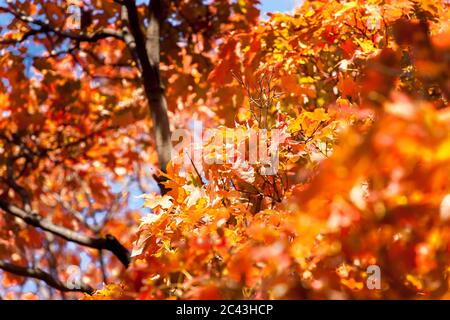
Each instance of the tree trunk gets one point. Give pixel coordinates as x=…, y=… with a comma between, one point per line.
x=157, y=98
x=148, y=54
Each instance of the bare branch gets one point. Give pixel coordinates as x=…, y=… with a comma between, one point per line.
x=40, y=274
x=109, y=242
x=46, y=27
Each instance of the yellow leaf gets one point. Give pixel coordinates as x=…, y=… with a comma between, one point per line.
x=153, y=201
x=318, y=114
x=366, y=45
x=346, y=7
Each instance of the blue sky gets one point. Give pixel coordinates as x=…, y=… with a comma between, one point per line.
x=277, y=5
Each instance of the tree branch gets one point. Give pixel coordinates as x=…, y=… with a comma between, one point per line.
x=46, y=27
x=109, y=242
x=40, y=274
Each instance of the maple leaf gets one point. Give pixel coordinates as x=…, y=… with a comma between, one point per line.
x=154, y=201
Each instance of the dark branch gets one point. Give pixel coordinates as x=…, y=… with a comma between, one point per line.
x=37, y=273
x=109, y=242
x=46, y=27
